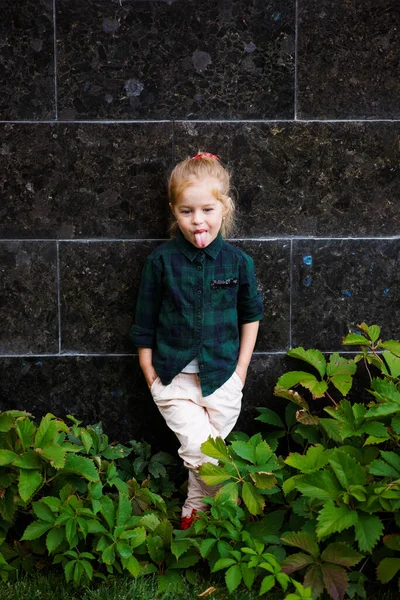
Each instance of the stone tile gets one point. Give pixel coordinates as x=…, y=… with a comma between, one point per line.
x=27, y=60
x=175, y=60
x=107, y=389
x=68, y=181
x=272, y=266
x=28, y=306
x=348, y=60
x=340, y=283
x=99, y=283
x=317, y=179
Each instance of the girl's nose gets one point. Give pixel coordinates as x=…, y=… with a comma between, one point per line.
x=197, y=218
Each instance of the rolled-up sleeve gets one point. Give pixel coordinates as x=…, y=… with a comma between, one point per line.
x=143, y=331
x=250, y=304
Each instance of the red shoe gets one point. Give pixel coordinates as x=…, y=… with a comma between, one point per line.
x=187, y=521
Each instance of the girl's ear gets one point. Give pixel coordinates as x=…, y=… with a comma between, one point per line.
x=172, y=208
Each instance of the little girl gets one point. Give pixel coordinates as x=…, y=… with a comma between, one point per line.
x=197, y=318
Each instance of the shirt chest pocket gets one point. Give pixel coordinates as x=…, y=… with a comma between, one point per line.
x=224, y=293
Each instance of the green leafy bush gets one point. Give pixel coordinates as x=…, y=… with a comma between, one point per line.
x=323, y=480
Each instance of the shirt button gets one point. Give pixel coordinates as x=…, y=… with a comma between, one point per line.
x=198, y=341
x=201, y=367
x=199, y=315
x=199, y=267
x=199, y=292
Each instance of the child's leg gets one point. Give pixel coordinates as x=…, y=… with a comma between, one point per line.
x=223, y=406
x=193, y=419
x=179, y=404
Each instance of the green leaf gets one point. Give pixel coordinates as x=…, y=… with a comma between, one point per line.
x=248, y=575
x=387, y=569
x=343, y=383
x=292, y=378
x=7, y=422
x=54, y=453
x=385, y=389
x=7, y=457
x=155, y=547
x=316, y=458
x=70, y=531
x=123, y=549
x=302, y=540
x=391, y=345
x=108, y=511
x=393, y=363
x=264, y=481
x=233, y=578
x=150, y=521
x=43, y=512
x=342, y=554
x=297, y=561
x=317, y=388
x=368, y=529
x=206, y=546
x=215, y=448
x=254, y=501
x=28, y=483
x=322, y=485
x=267, y=584
x=179, y=547
x=354, y=339
x=335, y=580
x=132, y=565
x=46, y=431
x=28, y=460
x=315, y=358
x=87, y=568
x=124, y=509
x=213, y=474
x=313, y=581
x=332, y=429
x=87, y=439
x=245, y=450
x=332, y=519
x=26, y=431
x=81, y=466
x=108, y=555
x=54, y=538
x=35, y=530
x=347, y=470
x=339, y=366
x=270, y=417
x=263, y=453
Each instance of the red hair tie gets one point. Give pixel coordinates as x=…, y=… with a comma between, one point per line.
x=204, y=155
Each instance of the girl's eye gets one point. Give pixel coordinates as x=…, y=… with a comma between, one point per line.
x=208, y=209
x=185, y=212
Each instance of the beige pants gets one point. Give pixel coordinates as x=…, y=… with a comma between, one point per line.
x=193, y=419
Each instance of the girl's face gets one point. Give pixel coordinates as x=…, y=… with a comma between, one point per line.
x=199, y=213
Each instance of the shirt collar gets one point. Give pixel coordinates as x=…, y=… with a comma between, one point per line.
x=191, y=251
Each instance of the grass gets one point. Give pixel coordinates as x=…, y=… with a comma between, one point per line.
x=53, y=587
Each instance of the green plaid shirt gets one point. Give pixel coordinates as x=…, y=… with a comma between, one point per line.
x=191, y=303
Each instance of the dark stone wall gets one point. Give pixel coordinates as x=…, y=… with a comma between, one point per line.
x=100, y=98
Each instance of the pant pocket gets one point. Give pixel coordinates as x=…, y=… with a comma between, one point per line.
x=237, y=381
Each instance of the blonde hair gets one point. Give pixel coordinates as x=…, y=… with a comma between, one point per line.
x=188, y=171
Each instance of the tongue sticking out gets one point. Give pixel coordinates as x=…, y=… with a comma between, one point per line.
x=201, y=238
